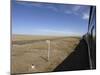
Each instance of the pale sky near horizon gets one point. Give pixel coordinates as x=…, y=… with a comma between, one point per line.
x=49, y=18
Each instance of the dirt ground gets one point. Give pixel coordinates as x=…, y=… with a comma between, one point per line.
x=30, y=51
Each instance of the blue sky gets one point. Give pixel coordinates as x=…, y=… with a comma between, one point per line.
x=49, y=19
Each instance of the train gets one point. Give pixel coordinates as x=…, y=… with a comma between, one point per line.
x=90, y=37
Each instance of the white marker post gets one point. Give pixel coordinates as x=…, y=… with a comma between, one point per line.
x=33, y=66
x=48, y=42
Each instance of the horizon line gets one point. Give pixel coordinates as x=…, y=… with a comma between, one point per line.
x=45, y=35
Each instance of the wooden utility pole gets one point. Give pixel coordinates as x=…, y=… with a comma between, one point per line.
x=48, y=42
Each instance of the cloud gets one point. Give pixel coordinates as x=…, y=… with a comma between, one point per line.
x=37, y=4
x=31, y=4
x=81, y=12
x=76, y=8
x=43, y=5
x=85, y=16
x=49, y=6
x=68, y=12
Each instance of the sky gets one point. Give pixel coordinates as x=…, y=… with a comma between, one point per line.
x=36, y=18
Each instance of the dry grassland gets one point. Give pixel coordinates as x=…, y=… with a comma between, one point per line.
x=28, y=50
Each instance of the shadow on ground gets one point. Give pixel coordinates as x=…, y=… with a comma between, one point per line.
x=78, y=60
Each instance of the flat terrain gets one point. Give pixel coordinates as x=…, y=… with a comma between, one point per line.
x=28, y=50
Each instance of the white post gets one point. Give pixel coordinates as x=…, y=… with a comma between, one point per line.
x=48, y=42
